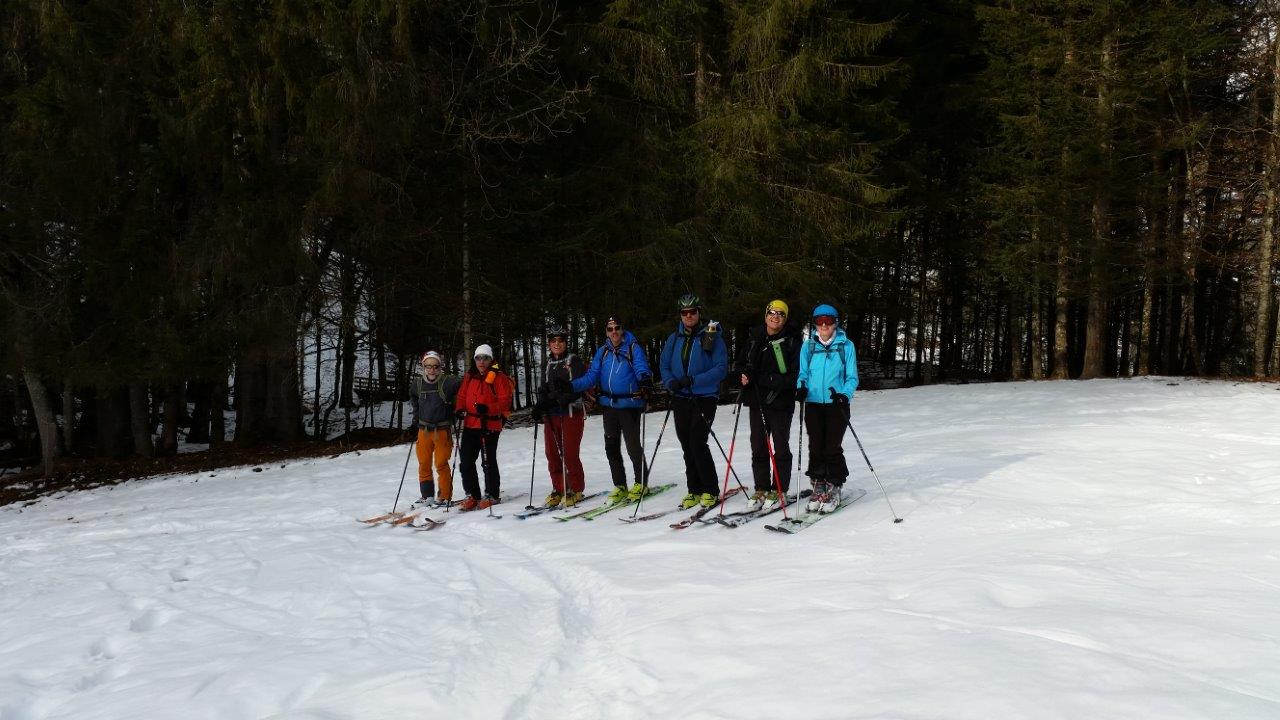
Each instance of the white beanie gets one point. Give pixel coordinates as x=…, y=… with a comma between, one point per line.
x=432, y=354
x=483, y=350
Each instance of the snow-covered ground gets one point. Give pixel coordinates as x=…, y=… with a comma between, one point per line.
x=1106, y=549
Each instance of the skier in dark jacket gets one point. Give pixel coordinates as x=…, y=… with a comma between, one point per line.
x=767, y=370
x=560, y=407
x=694, y=362
x=434, y=394
x=620, y=373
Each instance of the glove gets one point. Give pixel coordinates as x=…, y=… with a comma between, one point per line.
x=461, y=414
x=646, y=386
x=537, y=413
x=680, y=383
x=839, y=399
x=802, y=393
x=482, y=409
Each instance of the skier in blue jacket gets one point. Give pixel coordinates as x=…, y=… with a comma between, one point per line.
x=827, y=380
x=620, y=375
x=694, y=362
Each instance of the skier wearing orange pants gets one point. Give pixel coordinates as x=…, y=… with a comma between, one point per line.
x=434, y=394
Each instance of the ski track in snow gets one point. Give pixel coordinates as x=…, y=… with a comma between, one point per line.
x=1101, y=549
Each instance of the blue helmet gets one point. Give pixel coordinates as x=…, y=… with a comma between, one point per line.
x=825, y=310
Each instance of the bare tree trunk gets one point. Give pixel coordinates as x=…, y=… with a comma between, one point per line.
x=1145, y=345
x=217, y=411
x=1266, y=243
x=1037, y=330
x=1191, y=262
x=139, y=420
x=1016, y=335
x=45, y=421
x=173, y=402
x=68, y=418
x=315, y=411
x=1100, y=222
x=1061, y=371
x=468, y=344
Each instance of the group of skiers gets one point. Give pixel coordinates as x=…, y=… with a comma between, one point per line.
x=776, y=369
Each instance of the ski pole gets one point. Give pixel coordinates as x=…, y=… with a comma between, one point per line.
x=773, y=460
x=896, y=519
x=733, y=442
x=404, y=472
x=564, y=468
x=533, y=463
x=484, y=464
x=453, y=469
x=712, y=431
x=649, y=465
x=799, y=446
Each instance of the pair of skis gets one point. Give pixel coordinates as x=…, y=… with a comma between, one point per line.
x=408, y=517
x=609, y=507
x=531, y=512
x=807, y=518
x=682, y=524
x=738, y=519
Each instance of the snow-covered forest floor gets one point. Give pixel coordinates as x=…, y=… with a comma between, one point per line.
x=1105, y=549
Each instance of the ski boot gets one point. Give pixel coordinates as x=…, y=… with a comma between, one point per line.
x=469, y=504
x=756, y=502
x=689, y=501
x=637, y=491
x=832, y=500
x=818, y=497
x=553, y=500
x=571, y=499
x=708, y=500
x=618, y=494
x=770, y=501
x=488, y=502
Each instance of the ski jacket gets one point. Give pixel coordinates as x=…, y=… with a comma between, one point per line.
x=563, y=369
x=773, y=362
x=433, y=403
x=826, y=367
x=493, y=389
x=616, y=373
x=700, y=354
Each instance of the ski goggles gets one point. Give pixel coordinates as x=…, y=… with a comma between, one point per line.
x=824, y=320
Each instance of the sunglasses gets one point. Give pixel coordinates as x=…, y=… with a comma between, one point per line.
x=432, y=366
x=612, y=328
x=484, y=357
x=824, y=321
x=691, y=311
x=775, y=313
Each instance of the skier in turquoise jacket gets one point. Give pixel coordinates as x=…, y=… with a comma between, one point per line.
x=828, y=378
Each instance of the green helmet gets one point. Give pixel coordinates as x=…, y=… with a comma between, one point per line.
x=689, y=300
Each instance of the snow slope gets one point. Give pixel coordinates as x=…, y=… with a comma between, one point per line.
x=1106, y=549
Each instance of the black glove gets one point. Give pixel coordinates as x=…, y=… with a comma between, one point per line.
x=802, y=393
x=837, y=398
x=537, y=413
x=646, y=386
x=680, y=383
x=460, y=414
x=482, y=409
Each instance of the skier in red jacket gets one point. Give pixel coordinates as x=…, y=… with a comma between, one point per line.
x=484, y=403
